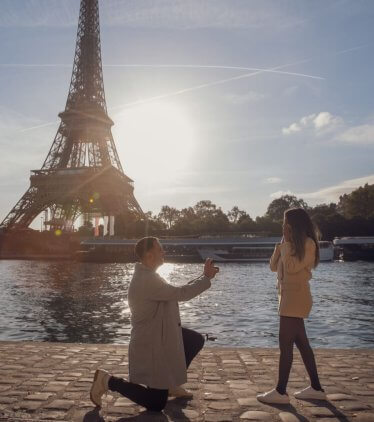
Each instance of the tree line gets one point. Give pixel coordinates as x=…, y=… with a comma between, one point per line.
x=353, y=215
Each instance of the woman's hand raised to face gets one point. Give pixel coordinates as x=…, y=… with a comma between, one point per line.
x=209, y=269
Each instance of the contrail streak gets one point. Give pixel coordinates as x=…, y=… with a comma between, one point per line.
x=39, y=126
x=254, y=71
x=246, y=75
x=206, y=85
x=351, y=49
x=196, y=66
x=169, y=66
x=34, y=65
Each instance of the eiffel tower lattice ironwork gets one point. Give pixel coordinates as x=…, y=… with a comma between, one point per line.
x=82, y=172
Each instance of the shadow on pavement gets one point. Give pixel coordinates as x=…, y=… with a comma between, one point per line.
x=319, y=403
x=328, y=405
x=145, y=417
x=290, y=409
x=93, y=416
x=172, y=411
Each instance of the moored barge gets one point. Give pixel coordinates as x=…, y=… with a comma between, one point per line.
x=220, y=249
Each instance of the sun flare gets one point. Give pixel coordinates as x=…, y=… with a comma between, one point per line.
x=159, y=137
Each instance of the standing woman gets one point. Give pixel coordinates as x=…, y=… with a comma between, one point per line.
x=293, y=260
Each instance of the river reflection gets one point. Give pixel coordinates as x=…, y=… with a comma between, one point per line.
x=65, y=301
x=87, y=302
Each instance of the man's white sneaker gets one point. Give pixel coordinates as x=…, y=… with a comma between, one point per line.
x=309, y=393
x=99, y=386
x=180, y=392
x=273, y=397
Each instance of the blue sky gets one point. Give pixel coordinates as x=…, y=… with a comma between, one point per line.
x=193, y=117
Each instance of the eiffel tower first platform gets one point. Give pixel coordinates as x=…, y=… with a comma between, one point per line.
x=82, y=173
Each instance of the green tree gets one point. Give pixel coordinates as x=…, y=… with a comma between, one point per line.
x=187, y=213
x=210, y=218
x=129, y=225
x=331, y=225
x=324, y=209
x=359, y=203
x=278, y=206
x=153, y=225
x=186, y=223
x=268, y=227
x=203, y=209
x=326, y=216
x=236, y=214
x=245, y=224
x=168, y=215
x=124, y=224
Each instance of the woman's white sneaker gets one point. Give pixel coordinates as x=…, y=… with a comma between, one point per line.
x=99, y=386
x=273, y=397
x=309, y=393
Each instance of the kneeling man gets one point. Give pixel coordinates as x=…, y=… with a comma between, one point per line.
x=160, y=349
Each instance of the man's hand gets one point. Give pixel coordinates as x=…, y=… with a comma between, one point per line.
x=209, y=269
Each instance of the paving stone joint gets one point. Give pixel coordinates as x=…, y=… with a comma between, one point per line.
x=51, y=382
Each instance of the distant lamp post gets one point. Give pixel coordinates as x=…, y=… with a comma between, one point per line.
x=41, y=224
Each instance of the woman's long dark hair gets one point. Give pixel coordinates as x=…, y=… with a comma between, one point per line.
x=301, y=228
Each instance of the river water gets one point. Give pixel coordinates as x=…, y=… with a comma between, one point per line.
x=87, y=302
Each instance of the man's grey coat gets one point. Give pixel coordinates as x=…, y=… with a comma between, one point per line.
x=156, y=353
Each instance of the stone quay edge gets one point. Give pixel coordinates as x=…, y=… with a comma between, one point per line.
x=41, y=381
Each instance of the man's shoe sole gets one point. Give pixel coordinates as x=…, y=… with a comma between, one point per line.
x=182, y=397
x=95, y=378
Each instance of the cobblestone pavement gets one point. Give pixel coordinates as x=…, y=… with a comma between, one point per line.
x=51, y=382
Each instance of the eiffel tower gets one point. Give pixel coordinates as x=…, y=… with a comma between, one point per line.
x=82, y=172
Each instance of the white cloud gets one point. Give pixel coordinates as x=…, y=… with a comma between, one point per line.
x=292, y=128
x=324, y=119
x=320, y=123
x=329, y=194
x=280, y=193
x=363, y=134
x=326, y=123
x=273, y=180
x=332, y=193
x=307, y=121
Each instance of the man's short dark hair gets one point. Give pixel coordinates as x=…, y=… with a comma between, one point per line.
x=144, y=245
